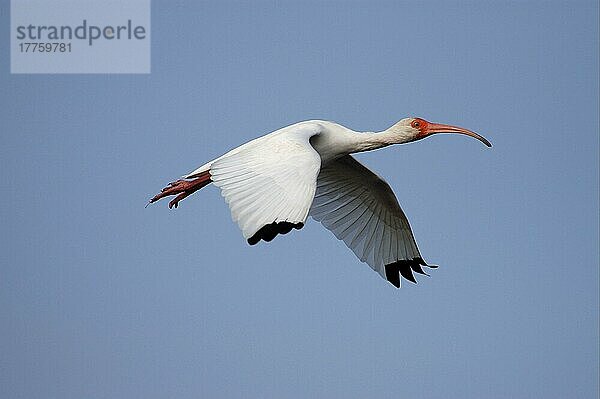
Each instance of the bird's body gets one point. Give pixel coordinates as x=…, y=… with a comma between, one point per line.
x=331, y=142
x=273, y=182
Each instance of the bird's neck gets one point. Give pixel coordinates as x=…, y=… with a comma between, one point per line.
x=367, y=141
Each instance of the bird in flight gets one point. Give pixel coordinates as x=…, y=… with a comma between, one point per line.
x=273, y=183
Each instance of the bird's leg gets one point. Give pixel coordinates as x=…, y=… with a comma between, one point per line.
x=181, y=188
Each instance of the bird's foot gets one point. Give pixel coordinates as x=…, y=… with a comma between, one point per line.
x=181, y=188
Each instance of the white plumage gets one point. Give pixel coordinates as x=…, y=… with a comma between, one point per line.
x=273, y=182
x=269, y=181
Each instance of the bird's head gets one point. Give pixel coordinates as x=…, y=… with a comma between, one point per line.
x=417, y=129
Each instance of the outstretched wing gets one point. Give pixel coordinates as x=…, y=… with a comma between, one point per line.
x=269, y=185
x=358, y=207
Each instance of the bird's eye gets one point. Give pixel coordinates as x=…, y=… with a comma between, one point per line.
x=416, y=124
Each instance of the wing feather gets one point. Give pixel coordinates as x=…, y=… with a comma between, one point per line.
x=361, y=209
x=270, y=186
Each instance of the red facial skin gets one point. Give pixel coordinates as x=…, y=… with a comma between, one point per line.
x=421, y=125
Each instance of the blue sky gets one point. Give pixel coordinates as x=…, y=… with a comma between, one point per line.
x=100, y=297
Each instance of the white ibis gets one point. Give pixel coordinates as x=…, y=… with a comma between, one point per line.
x=274, y=182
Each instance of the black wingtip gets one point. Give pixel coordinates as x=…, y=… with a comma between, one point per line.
x=418, y=269
x=407, y=273
x=405, y=268
x=392, y=275
x=269, y=231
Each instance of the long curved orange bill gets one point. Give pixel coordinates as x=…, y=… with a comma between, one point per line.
x=433, y=128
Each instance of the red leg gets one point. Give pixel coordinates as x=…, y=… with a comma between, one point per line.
x=181, y=188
